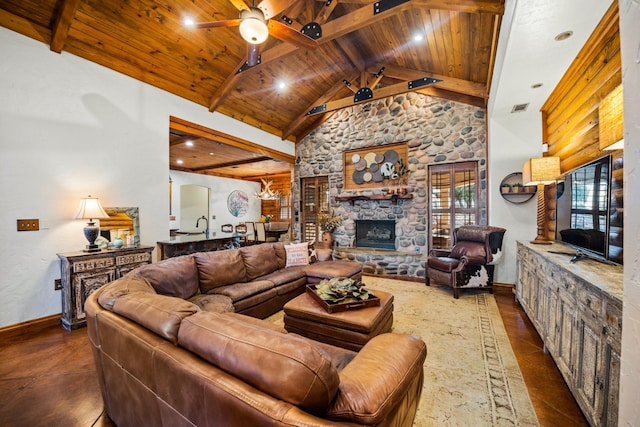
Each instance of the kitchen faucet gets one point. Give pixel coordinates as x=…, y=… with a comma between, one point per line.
x=206, y=231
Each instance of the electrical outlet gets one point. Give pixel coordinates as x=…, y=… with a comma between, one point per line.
x=28, y=224
x=57, y=284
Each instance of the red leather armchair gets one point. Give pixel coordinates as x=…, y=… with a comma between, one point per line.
x=470, y=263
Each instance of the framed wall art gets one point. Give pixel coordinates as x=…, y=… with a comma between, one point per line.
x=375, y=167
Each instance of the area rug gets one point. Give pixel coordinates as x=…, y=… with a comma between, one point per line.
x=472, y=377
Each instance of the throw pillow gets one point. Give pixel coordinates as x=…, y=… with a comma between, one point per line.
x=297, y=254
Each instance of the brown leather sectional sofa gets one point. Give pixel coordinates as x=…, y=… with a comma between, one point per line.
x=171, y=349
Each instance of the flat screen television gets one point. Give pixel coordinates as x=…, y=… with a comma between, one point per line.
x=583, y=209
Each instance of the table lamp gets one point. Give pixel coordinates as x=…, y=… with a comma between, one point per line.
x=541, y=171
x=91, y=209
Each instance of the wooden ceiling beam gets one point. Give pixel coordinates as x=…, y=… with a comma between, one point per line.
x=234, y=163
x=377, y=94
x=63, y=24
x=466, y=87
x=495, y=7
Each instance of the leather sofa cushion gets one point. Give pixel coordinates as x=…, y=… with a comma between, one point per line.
x=239, y=291
x=219, y=268
x=124, y=285
x=159, y=313
x=281, y=255
x=469, y=249
x=176, y=277
x=259, y=260
x=287, y=367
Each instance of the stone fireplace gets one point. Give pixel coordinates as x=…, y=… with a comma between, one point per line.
x=375, y=233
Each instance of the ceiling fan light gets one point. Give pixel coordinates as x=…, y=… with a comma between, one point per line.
x=254, y=30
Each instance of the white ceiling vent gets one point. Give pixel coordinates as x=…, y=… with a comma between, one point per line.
x=519, y=108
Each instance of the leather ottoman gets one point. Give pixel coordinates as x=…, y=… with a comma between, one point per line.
x=350, y=329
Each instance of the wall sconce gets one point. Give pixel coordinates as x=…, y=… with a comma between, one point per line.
x=90, y=208
x=266, y=193
x=611, y=117
x=541, y=171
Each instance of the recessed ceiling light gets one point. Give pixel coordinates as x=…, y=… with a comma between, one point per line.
x=564, y=35
x=281, y=84
x=536, y=85
x=189, y=143
x=418, y=37
x=188, y=21
x=179, y=161
x=211, y=153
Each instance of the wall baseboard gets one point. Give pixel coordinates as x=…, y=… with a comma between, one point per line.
x=30, y=327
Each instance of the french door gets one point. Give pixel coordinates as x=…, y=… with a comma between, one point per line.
x=453, y=201
x=315, y=200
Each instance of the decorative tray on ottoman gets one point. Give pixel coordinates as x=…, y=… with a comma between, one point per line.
x=342, y=294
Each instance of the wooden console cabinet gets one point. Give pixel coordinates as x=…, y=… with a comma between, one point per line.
x=577, y=310
x=82, y=273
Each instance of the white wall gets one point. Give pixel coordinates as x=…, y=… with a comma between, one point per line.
x=70, y=128
x=629, y=414
x=511, y=143
x=220, y=190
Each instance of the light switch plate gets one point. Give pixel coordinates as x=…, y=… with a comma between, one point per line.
x=28, y=224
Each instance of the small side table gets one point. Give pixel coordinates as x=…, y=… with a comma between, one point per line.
x=350, y=329
x=81, y=273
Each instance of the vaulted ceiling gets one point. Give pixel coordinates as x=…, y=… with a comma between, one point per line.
x=147, y=40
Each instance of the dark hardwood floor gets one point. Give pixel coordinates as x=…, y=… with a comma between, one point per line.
x=47, y=378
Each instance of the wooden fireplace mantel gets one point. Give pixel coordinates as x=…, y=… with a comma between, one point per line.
x=393, y=197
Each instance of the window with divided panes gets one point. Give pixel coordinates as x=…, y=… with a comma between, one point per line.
x=453, y=200
x=314, y=199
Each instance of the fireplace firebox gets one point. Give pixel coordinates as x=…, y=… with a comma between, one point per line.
x=376, y=233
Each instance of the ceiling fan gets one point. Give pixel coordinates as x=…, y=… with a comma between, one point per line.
x=256, y=26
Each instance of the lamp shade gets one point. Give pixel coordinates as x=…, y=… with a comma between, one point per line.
x=90, y=208
x=543, y=170
x=611, y=117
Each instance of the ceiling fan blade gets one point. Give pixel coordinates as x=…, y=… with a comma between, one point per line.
x=272, y=8
x=239, y=4
x=216, y=24
x=287, y=34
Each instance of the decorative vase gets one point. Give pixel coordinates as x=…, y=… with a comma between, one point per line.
x=327, y=239
x=117, y=242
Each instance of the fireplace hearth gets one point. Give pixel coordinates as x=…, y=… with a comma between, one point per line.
x=376, y=233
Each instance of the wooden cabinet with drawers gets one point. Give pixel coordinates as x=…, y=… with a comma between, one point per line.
x=81, y=273
x=577, y=310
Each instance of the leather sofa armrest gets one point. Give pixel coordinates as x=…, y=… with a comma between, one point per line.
x=378, y=378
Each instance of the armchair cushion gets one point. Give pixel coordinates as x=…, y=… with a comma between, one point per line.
x=443, y=263
x=473, y=250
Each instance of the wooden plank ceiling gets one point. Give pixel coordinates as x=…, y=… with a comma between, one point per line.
x=147, y=40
